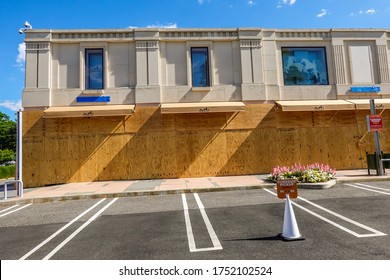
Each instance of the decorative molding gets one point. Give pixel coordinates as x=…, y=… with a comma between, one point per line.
x=302, y=34
x=37, y=46
x=250, y=44
x=92, y=35
x=198, y=34
x=146, y=45
x=383, y=64
x=338, y=56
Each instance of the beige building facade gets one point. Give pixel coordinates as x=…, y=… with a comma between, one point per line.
x=120, y=104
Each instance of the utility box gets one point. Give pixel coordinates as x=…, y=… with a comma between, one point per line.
x=373, y=164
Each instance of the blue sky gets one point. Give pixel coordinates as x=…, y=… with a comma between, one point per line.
x=72, y=14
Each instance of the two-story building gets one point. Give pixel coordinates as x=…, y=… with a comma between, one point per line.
x=166, y=103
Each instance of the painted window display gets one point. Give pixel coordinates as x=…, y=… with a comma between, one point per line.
x=304, y=66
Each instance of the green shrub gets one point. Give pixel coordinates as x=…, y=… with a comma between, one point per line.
x=7, y=171
x=6, y=155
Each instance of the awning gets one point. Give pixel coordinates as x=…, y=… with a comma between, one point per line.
x=315, y=105
x=88, y=111
x=362, y=104
x=204, y=107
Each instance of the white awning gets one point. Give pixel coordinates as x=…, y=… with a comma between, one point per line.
x=88, y=111
x=362, y=104
x=204, y=107
x=315, y=105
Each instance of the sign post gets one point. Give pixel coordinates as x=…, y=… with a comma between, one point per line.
x=375, y=125
x=288, y=189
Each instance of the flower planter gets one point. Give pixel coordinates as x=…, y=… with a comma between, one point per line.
x=316, y=172
x=317, y=186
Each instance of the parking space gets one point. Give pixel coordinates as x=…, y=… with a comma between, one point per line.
x=345, y=222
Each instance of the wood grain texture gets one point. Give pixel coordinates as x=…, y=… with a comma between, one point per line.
x=149, y=144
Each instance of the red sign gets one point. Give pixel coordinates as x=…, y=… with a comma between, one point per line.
x=375, y=122
x=287, y=186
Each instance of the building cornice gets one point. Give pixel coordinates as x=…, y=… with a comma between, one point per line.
x=213, y=34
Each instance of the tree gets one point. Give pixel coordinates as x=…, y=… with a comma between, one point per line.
x=7, y=138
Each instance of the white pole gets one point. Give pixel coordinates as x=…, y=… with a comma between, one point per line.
x=19, y=157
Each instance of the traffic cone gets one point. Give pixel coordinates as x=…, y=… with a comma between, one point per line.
x=290, y=226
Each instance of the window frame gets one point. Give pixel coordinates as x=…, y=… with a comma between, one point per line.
x=323, y=48
x=208, y=73
x=87, y=51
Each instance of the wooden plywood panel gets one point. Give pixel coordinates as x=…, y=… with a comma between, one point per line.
x=197, y=153
x=237, y=148
x=32, y=123
x=110, y=158
x=149, y=145
x=161, y=155
x=200, y=121
x=334, y=119
x=293, y=119
x=137, y=156
x=32, y=157
x=256, y=115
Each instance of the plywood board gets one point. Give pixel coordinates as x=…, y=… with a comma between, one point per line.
x=151, y=145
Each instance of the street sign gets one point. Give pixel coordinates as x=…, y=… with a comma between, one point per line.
x=375, y=123
x=287, y=186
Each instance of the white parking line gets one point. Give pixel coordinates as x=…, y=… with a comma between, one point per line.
x=5, y=210
x=213, y=236
x=374, y=231
x=77, y=231
x=190, y=234
x=369, y=188
x=60, y=230
x=27, y=205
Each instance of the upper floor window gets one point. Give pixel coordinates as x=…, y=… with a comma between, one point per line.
x=304, y=66
x=94, y=69
x=200, y=67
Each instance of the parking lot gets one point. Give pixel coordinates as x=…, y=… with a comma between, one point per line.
x=347, y=221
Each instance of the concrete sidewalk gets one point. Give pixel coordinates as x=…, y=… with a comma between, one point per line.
x=159, y=186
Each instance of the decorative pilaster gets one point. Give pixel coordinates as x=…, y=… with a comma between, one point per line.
x=383, y=64
x=338, y=54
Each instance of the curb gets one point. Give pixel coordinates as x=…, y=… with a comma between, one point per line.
x=21, y=201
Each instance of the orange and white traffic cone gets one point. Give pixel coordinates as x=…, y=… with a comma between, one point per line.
x=290, y=226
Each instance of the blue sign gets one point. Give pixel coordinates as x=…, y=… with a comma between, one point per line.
x=93, y=99
x=365, y=89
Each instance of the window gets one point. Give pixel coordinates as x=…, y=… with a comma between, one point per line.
x=200, y=67
x=94, y=69
x=304, y=66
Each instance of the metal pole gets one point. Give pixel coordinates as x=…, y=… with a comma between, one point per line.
x=19, y=158
x=379, y=165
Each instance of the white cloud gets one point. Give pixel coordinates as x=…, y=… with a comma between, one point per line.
x=162, y=26
x=169, y=25
x=251, y=3
x=21, y=57
x=11, y=104
x=289, y=2
x=322, y=13
x=200, y=2
x=366, y=12
x=285, y=2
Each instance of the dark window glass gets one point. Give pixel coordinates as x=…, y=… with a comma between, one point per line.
x=200, y=67
x=304, y=66
x=94, y=69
